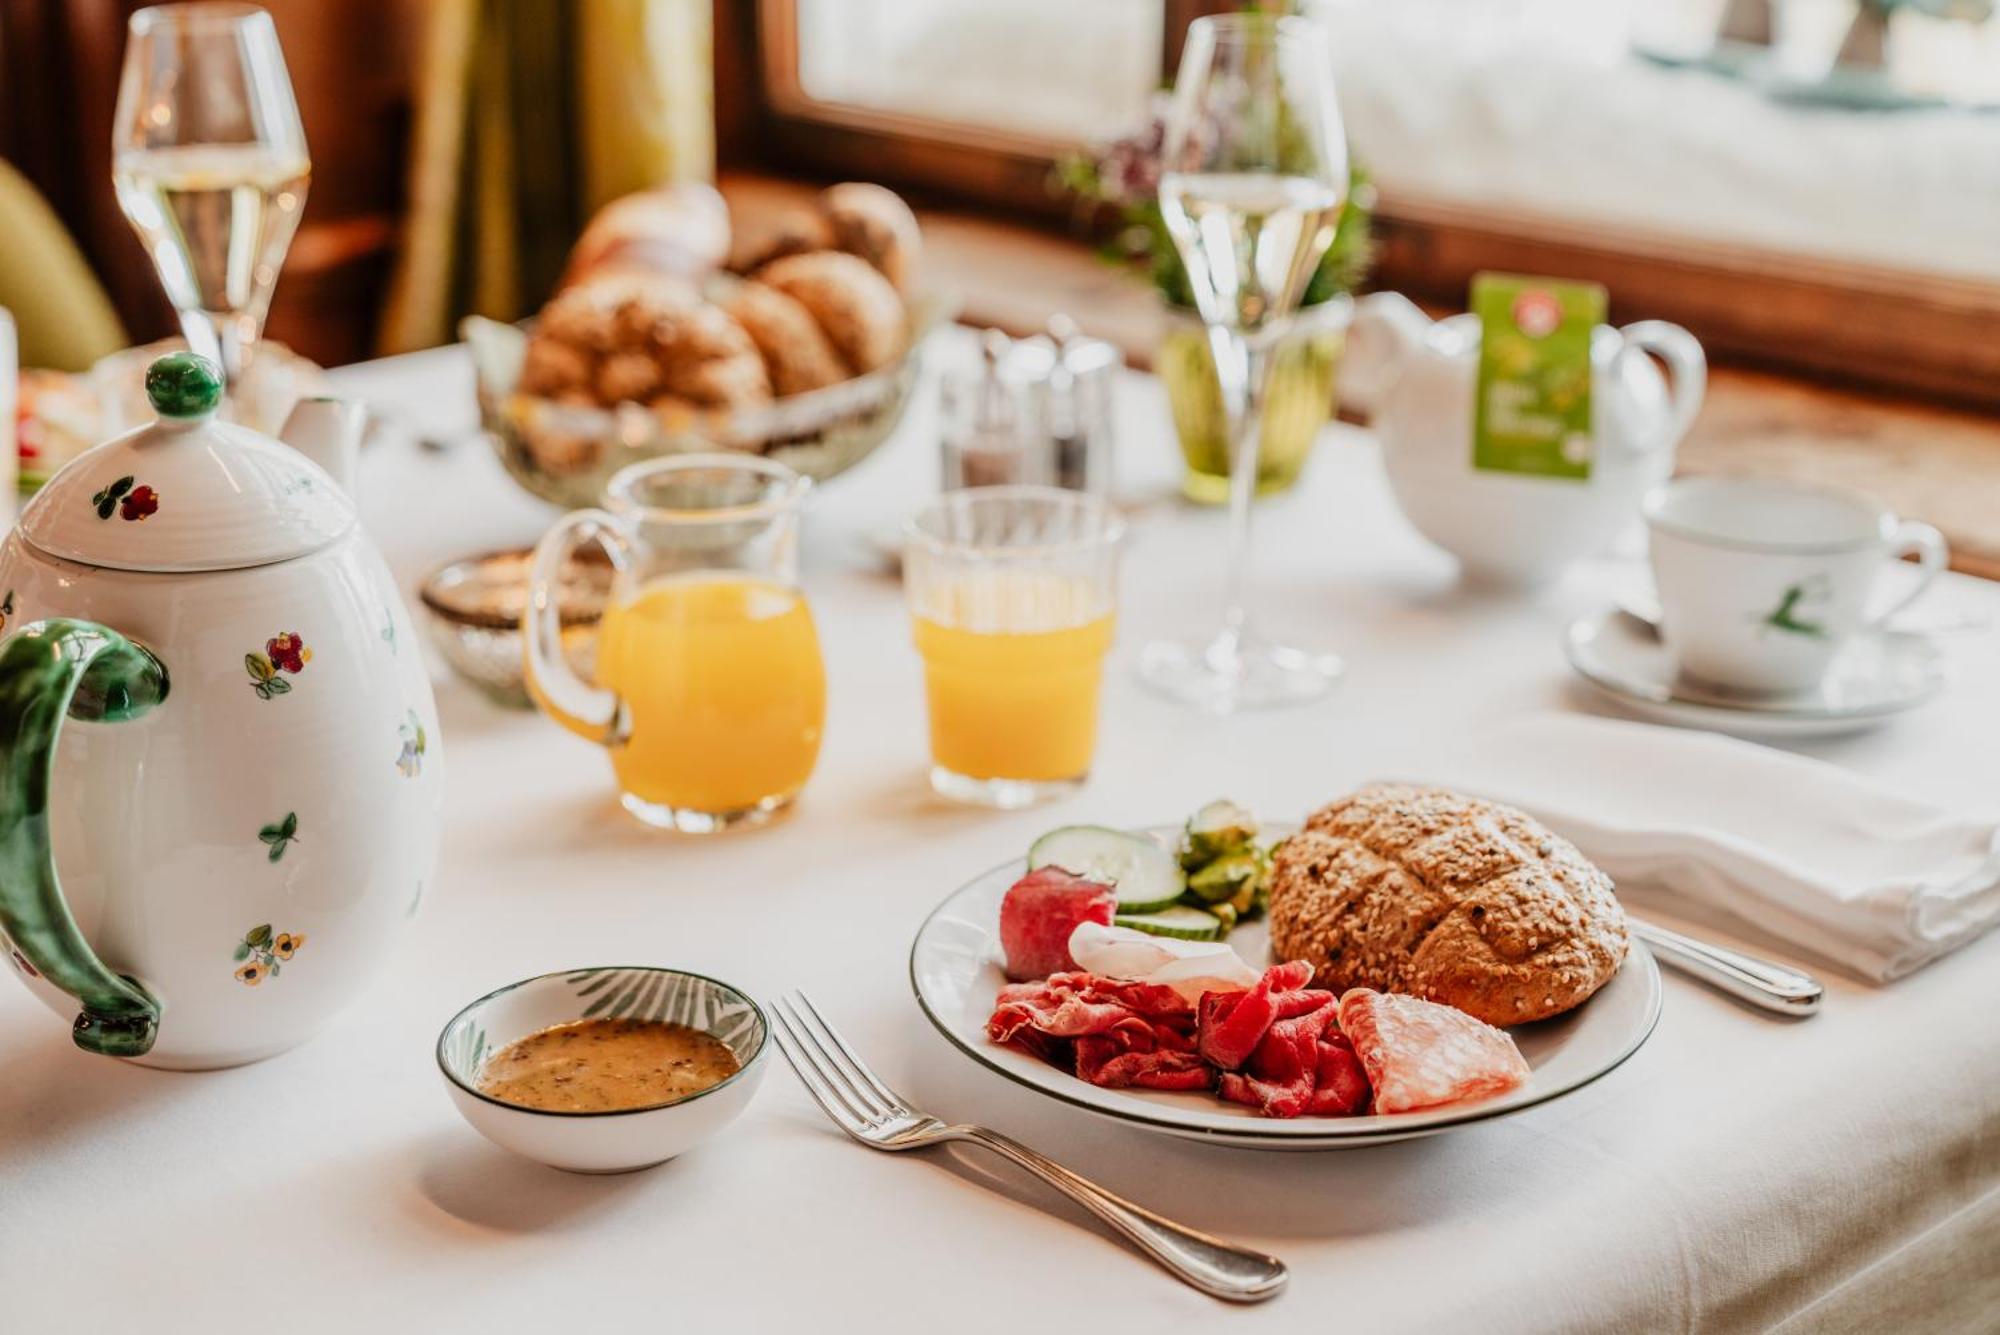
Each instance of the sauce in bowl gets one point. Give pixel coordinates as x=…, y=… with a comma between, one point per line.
x=607, y=1066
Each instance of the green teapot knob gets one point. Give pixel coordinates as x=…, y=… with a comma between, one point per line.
x=182, y=384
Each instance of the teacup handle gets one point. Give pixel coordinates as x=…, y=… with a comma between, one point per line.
x=49, y=671
x=1928, y=546
x=1687, y=375
x=591, y=712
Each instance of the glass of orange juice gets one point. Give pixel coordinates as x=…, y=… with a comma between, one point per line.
x=710, y=693
x=1013, y=591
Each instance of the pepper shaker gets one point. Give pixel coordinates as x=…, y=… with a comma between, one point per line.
x=1078, y=410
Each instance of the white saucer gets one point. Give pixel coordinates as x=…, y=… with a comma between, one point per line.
x=1881, y=674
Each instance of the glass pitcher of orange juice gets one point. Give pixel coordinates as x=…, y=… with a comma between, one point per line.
x=709, y=694
x=1013, y=592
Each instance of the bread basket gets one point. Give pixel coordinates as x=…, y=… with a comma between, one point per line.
x=565, y=453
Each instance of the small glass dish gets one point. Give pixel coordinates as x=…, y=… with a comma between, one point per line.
x=565, y=453
x=623, y=1139
x=473, y=609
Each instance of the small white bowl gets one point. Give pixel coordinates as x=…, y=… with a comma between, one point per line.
x=628, y=1138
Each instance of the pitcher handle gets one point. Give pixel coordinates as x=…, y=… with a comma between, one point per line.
x=1926, y=544
x=591, y=712
x=50, y=670
x=1687, y=374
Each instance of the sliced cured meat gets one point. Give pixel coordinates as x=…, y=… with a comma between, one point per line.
x=1108, y=1032
x=1099, y=1061
x=1282, y=1076
x=1039, y=913
x=1071, y=1005
x=1233, y=1023
x=1423, y=1054
x=1341, y=1089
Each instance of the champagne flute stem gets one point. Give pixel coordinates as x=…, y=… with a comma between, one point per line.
x=1241, y=363
x=224, y=337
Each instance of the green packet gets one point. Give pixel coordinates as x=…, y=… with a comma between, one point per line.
x=1531, y=407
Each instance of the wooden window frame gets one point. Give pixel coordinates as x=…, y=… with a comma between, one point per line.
x=765, y=120
x=1846, y=322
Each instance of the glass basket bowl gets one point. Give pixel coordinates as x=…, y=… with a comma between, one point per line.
x=565, y=453
x=473, y=609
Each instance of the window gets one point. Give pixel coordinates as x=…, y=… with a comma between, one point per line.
x=1818, y=190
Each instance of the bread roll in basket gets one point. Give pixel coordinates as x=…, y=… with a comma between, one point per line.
x=808, y=354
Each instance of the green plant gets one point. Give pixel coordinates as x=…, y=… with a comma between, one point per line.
x=1123, y=174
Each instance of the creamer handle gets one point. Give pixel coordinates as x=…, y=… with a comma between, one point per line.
x=589, y=711
x=1687, y=376
x=50, y=670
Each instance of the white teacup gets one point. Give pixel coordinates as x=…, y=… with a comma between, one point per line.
x=1762, y=581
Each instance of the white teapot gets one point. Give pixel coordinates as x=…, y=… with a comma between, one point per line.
x=221, y=792
x=1418, y=378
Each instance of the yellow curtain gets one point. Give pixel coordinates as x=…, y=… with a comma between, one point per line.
x=64, y=319
x=530, y=115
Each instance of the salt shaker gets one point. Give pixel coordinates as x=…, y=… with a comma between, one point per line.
x=993, y=433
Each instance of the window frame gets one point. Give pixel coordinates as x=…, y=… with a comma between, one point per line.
x=1847, y=322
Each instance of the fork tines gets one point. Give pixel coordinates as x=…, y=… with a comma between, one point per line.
x=838, y=1080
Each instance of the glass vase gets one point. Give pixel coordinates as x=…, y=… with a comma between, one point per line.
x=1298, y=403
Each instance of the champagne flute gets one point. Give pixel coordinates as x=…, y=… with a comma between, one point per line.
x=1255, y=175
x=210, y=165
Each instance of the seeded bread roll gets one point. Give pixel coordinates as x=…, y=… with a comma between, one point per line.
x=1446, y=897
x=854, y=305
x=796, y=352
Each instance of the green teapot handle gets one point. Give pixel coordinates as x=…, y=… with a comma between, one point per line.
x=50, y=669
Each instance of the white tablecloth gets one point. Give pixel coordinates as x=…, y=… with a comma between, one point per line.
x=1737, y=1173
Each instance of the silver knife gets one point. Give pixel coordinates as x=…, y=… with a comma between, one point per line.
x=1769, y=986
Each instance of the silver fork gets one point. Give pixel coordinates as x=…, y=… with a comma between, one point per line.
x=869, y=1111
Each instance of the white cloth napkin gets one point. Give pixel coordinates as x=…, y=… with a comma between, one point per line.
x=1806, y=852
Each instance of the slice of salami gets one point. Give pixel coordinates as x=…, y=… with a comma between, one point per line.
x=1421, y=1054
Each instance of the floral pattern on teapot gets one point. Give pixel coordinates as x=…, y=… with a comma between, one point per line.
x=127, y=501
x=280, y=835
x=410, y=760
x=262, y=953
x=282, y=653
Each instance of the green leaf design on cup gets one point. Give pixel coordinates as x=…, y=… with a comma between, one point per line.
x=1786, y=615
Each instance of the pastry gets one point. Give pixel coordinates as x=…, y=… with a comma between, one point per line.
x=797, y=232
x=1446, y=897
x=873, y=223
x=679, y=230
x=796, y=351
x=856, y=307
x=625, y=337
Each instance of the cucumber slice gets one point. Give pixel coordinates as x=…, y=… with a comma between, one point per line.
x=1182, y=920
x=1144, y=874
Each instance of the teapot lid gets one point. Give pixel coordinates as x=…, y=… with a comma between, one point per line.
x=187, y=492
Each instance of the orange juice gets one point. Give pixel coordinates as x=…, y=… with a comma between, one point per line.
x=1013, y=703
x=722, y=680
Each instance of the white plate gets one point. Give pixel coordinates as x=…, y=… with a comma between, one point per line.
x=1875, y=678
x=955, y=969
